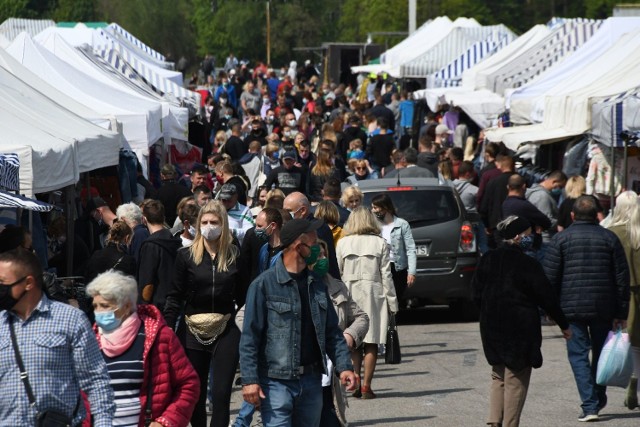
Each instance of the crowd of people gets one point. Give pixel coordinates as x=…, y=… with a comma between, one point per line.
x=264, y=257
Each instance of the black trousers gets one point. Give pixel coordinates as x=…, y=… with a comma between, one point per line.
x=224, y=356
x=328, y=417
x=399, y=281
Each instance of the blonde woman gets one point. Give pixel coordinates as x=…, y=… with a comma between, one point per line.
x=575, y=187
x=219, y=141
x=328, y=212
x=628, y=231
x=320, y=173
x=207, y=280
x=363, y=259
x=351, y=197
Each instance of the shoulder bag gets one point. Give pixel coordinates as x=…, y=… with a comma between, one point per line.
x=392, y=348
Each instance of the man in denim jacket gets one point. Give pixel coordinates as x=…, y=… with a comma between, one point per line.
x=289, y=328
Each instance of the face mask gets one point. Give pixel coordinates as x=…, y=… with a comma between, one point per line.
x=526, y=242
x=261, y=234
x=287, y=134
x=107, y=320
x=556, y=192
x=225, y=84
x=321, y=267
x=380, y=215
x=227, y=116
x=211, y=232
x=223, y=101
x=266, y=100
x=192, y=231
x=313, y=255
x=269, y=119
x=291, y=123
x=7, y=302
x=304, y=101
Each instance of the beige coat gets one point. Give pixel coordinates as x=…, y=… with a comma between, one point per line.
x=366, y=270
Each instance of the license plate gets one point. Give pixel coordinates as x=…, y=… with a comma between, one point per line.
x=422, y=250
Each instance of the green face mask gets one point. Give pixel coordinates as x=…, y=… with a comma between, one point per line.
x=321, y=267
x=313, y=255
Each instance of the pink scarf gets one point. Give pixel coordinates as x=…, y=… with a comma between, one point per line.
x=117, y=342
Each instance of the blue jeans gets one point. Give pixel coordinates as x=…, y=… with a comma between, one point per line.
x=292, y=402
x=588, y=335
x=245, y=416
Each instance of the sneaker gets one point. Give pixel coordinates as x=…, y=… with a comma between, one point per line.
x=588, y=418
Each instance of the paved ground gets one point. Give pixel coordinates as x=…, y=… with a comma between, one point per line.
x=444, y=381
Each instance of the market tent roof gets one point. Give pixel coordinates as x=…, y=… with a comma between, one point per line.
x=568, y=105
x=420, y=41
x=526, y=104
x=453, y=44
x=87, y=24
x=175, y=119
x=130, y=40
x=4, y=42
x=8, y=200
x=451, y=74
x=612, y=116
x=93, y=147
x=141, y=119
x=14, y=26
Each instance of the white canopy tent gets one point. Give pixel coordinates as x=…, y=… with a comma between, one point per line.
x=141, y=120
x=612, y=116
x=147, y=52
x=12, y=27
x=175, y=119
x=65, y=143
x=526, y=104
x=568, y=105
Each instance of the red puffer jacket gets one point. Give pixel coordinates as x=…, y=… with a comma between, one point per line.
x=176, y=387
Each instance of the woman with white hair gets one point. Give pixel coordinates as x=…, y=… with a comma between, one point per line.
x=207, y=286
x=153, y=382
x=132, y=215
x=365, y=267
x=626, y=225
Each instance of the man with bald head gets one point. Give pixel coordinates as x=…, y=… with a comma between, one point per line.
x=298, y=206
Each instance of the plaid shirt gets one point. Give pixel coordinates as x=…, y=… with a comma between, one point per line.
x=61, y=356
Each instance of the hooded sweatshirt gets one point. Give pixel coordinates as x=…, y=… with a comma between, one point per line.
x=467, y=192
x=155, y=270
x=429, y=161
x=542, y=199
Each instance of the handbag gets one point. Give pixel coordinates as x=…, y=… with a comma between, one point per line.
x=392, y=354
x=49, y=418
x=615, y=364
x=206, y=327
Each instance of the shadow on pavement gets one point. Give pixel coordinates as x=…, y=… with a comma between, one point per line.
x=389, y=421
x=421, y=393
x=403, y=374
x=425, y=353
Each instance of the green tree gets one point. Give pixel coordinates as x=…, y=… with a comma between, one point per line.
x=74, y=10
x=14, y=9
x=599, y=9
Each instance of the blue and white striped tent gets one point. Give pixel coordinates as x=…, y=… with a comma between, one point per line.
x=614, y=115
x=9, y=172
x=130, y=40
x=8, y=200
x=451, y=74
x=564, y=40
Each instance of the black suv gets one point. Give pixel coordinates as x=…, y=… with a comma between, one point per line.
x=444, y=236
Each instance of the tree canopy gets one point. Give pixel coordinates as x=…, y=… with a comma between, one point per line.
x=193, y=28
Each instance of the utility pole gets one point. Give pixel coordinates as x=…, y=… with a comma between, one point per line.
x=269, y=34
x=412, y=16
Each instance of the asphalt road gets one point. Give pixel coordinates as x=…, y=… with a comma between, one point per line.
x=444, y=381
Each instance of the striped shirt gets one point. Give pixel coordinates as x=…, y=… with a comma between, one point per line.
x=61, y=355
x=127, y=373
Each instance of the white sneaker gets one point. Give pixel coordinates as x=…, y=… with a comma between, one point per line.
x=588, y=418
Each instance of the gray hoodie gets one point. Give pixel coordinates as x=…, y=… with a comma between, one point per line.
x=467, y=192
x=542, y=199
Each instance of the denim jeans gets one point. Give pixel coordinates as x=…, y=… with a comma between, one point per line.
x=128, y=175
x=245, y=416
x=588, y=335
x=296, y=403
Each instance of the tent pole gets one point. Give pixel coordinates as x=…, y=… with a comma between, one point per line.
x=68, y=209
x=612, y=185
x=626, y=163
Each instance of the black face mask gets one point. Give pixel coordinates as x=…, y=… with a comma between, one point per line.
x=380, y=215
x=7, y=302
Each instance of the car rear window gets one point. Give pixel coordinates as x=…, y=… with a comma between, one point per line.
x=421, y=207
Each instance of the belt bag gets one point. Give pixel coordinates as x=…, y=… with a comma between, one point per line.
x=206, y=327
x=52, y=419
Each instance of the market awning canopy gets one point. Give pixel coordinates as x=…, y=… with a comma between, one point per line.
x=14, y=26
x=8, y=200
x=613, y=116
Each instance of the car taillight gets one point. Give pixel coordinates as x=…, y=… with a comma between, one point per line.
x=467, y=238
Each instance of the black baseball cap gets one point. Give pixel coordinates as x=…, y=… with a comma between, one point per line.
x=294, y=228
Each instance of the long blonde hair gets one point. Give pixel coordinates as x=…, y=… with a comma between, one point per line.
x=227, y=251
x=625, y=203
x=361, y=221
x=323, y=164
x=633, y=226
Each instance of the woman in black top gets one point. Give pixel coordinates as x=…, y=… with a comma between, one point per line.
x=114, y=256
x=207, y=280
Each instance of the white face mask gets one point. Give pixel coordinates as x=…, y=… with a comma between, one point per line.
x=192, y=231
x=211, y=232
x=292, y=123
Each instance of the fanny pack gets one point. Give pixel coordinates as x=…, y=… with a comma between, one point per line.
x=53, y=419
x=206, y=327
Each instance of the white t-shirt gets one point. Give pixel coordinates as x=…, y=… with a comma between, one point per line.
x=386, y=235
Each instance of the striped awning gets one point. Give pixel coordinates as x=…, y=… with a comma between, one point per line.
x=8, y=200
x=564, y=40
x=14, y=26
x=121, y=34
x=613, y=115
x=9, y=172
x=452, y=46
x=138, y=71
x=451, y=74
